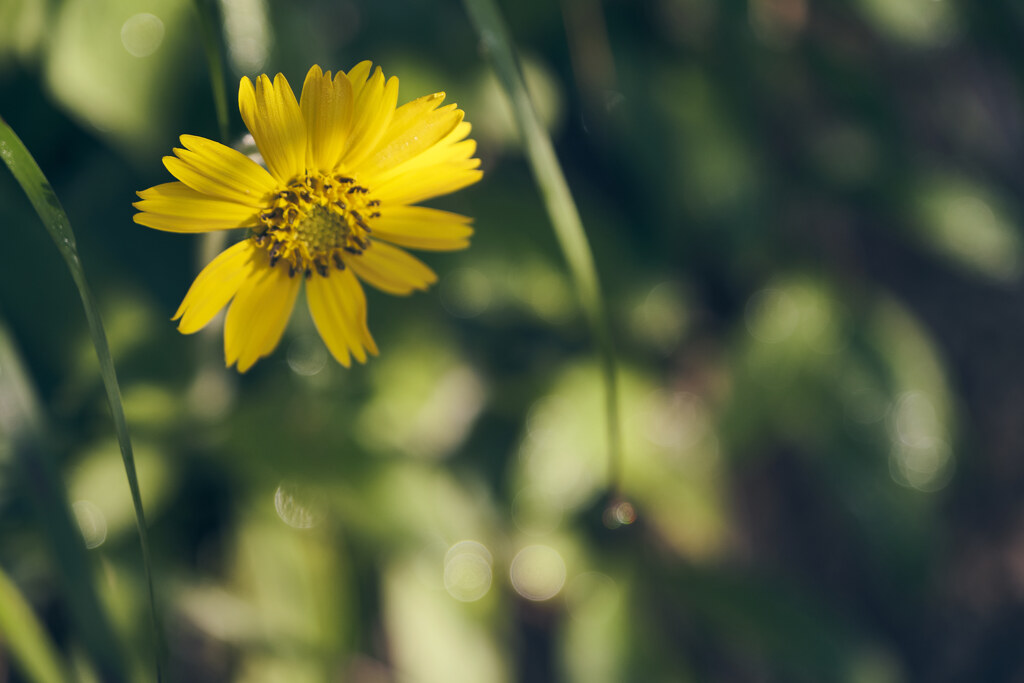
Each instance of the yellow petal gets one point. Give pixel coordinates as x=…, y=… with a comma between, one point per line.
x=218, y=170
x=424, y=183
x=415, y=128
x=175, y=207
x=259, y=314
x=357, y=76
x=422, y=228
x=441, y=169
x=460, y=133
x=374, y=106
x=391, y=269
x=454, y=148
x=338, y=307
x=327, y=108
x=272, y=115
x=214, y=287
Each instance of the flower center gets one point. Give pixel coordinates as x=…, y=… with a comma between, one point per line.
x=314, y=222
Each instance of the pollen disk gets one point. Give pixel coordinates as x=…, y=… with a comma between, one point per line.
x=316, y=222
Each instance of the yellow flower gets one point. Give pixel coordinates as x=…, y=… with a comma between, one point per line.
x=343, y=168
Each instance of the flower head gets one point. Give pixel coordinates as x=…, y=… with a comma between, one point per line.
x=333, y=206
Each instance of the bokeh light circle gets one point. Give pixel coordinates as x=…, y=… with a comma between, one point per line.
x=91, y=522
x=142, y=34
x=467, y=576
x=307, y=355
x=537, y=572
x=298, y=505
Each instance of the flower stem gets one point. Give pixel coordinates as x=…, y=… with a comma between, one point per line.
x=561, y=208
x=35, y=185
x=212, y=243
x=209, y=28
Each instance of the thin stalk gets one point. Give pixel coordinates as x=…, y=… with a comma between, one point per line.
x=212, y=243
x=39, y=191
x=561, y=208
x=209, y=28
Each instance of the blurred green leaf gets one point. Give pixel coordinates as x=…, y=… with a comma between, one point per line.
x=968, y=225
x=111, y=64
x=916, y=22
x=22, y=421
x=22, y=26
x=25, y=637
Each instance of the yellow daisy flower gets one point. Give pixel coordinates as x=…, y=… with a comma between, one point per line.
x=332, y=207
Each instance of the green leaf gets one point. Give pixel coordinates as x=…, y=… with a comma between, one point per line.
x=25, y=637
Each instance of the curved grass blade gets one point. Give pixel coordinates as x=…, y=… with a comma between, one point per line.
x=30, y=647
x=21, y=420
x=561, y=208
x=46, y=204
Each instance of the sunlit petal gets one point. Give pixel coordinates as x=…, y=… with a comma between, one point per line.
x=259, y=313
x=272, y=115
x=215, y=286
x=374, y=107
x=453, y=149
x=218, y=170
x=338, y=307
x=426, y=183
x=175, y=207
x=392, y=270
x=418, y=227
x=415, y=128
x=327, y=107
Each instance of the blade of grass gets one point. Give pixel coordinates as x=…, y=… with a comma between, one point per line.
x=21, y=420
x=35, y=185
x=209, y=28
x=30, y=647
x=561, y=208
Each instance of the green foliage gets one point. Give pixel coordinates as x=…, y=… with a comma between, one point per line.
x=806, y=220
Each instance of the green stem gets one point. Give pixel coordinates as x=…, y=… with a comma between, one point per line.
x=35, y=185
x=213, y=46
x=212, y=243
x=561, y=208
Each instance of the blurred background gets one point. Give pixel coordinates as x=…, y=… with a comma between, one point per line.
x=806, y=217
